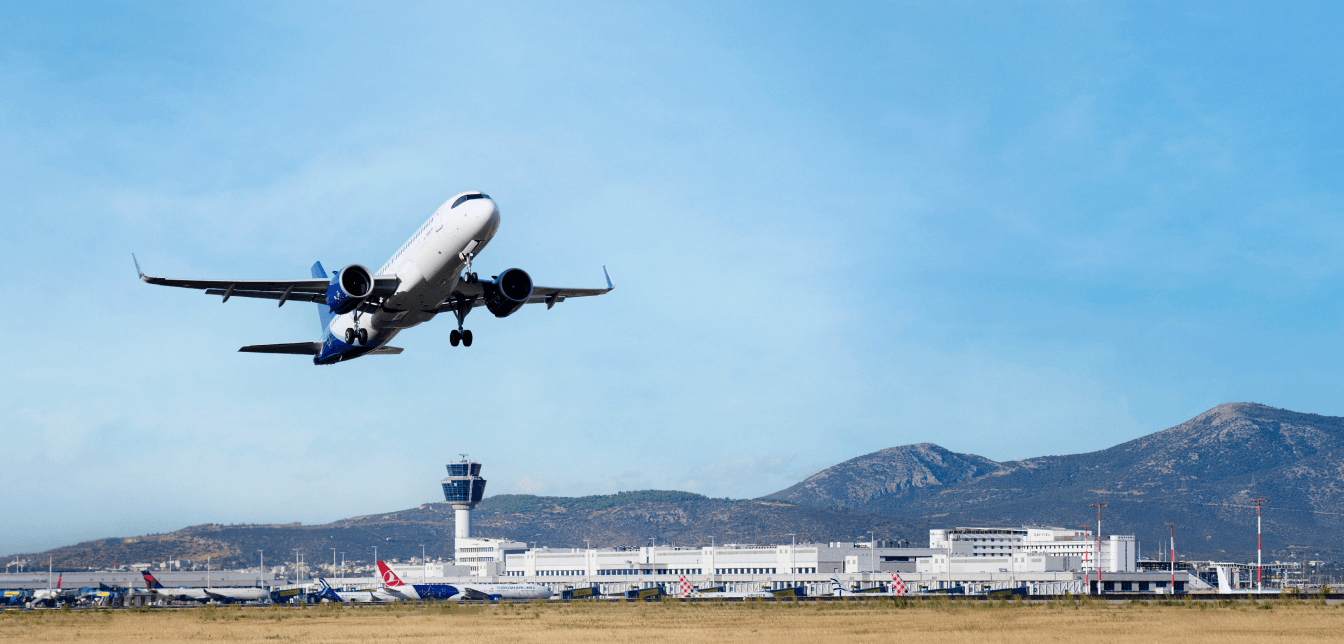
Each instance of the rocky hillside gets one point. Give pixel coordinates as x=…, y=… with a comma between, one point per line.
x=1200, y=475
x=891, y=472
x=625, y=519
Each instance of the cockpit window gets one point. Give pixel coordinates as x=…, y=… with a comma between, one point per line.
x=479, y=195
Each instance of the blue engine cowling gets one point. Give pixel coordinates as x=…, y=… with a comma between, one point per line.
x=348, y=288
x=508, y=292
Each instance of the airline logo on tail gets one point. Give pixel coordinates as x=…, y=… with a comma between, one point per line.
x=327, y=591
x=897, y=584
x=150, y=581
x=58, y=580
x=685, y=587
x=389, y=578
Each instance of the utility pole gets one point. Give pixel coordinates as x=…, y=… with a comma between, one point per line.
x=1259, y=587
x=1100, y=589
x=1172, y=552
x=424, y=563
x=333, y=562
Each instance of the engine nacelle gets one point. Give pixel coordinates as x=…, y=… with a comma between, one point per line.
x=349, y=287
x=508, y=292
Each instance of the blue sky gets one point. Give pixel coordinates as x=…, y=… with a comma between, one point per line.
x=1009, y=229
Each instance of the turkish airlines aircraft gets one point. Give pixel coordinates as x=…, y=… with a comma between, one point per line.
x=362, y=311
x=487, y=592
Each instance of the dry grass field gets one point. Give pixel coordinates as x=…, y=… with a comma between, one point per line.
x=594, y=623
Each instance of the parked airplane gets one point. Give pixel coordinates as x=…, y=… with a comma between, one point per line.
x=206, y=594
x=325, y=591
x=361, y=311
x=897, y=588
x=685, y=589
x=53, y=596
x=393, y=584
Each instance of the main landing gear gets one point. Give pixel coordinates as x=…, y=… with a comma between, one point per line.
x=464, y=306
x=351, y=336
x=356, y=333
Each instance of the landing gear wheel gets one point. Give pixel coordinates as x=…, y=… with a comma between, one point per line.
x=454, y=337
x=350, y=336
x=466, y=338
x=363, y=336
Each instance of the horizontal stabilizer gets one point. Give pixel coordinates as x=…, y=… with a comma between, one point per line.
x=386, y=351
x=299, y=348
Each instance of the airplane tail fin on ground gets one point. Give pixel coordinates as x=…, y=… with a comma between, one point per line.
x=389, y=578
x=150, y=581
x=323, y=311
x=326, y=591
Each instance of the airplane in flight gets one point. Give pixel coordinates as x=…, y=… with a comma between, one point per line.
x=361, y=311
x=394, y=585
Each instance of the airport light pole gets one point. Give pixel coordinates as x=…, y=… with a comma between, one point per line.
x=1172, y=552
x=424, y=563
x=342, y=575
x=1087, y=581
x=1100, y=589
x=333, y=562
x=1259, y=586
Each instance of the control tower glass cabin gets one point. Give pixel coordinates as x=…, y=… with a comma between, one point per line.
x=463, y=488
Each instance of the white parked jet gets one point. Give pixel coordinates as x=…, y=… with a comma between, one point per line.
x=362, y=311
x=250, y=594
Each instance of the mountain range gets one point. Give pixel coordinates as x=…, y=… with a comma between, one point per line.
x=1201, y=475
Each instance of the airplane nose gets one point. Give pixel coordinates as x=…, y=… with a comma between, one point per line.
x=484, y=214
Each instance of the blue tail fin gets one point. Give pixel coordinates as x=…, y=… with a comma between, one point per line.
x=323, y=311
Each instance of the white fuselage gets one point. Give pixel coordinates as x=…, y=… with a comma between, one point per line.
x=428, y=267
x=512, y=591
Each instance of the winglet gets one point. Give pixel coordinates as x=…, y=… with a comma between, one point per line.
x=137, y=267
x=604, y=272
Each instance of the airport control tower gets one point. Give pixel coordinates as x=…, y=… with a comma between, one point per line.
x=463, y=488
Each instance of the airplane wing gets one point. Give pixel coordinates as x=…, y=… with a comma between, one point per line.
x=308, y=349
x=472, y=593
x=299, y=348
x=302, y=290
x=548, y=294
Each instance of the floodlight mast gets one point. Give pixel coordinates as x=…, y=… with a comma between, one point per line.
x=1259, y=586
x=1172, y=552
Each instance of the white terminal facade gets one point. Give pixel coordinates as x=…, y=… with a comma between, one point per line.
x=1049, y=559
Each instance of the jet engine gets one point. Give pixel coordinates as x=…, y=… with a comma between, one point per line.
x=349, y=287
x=508, y=292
